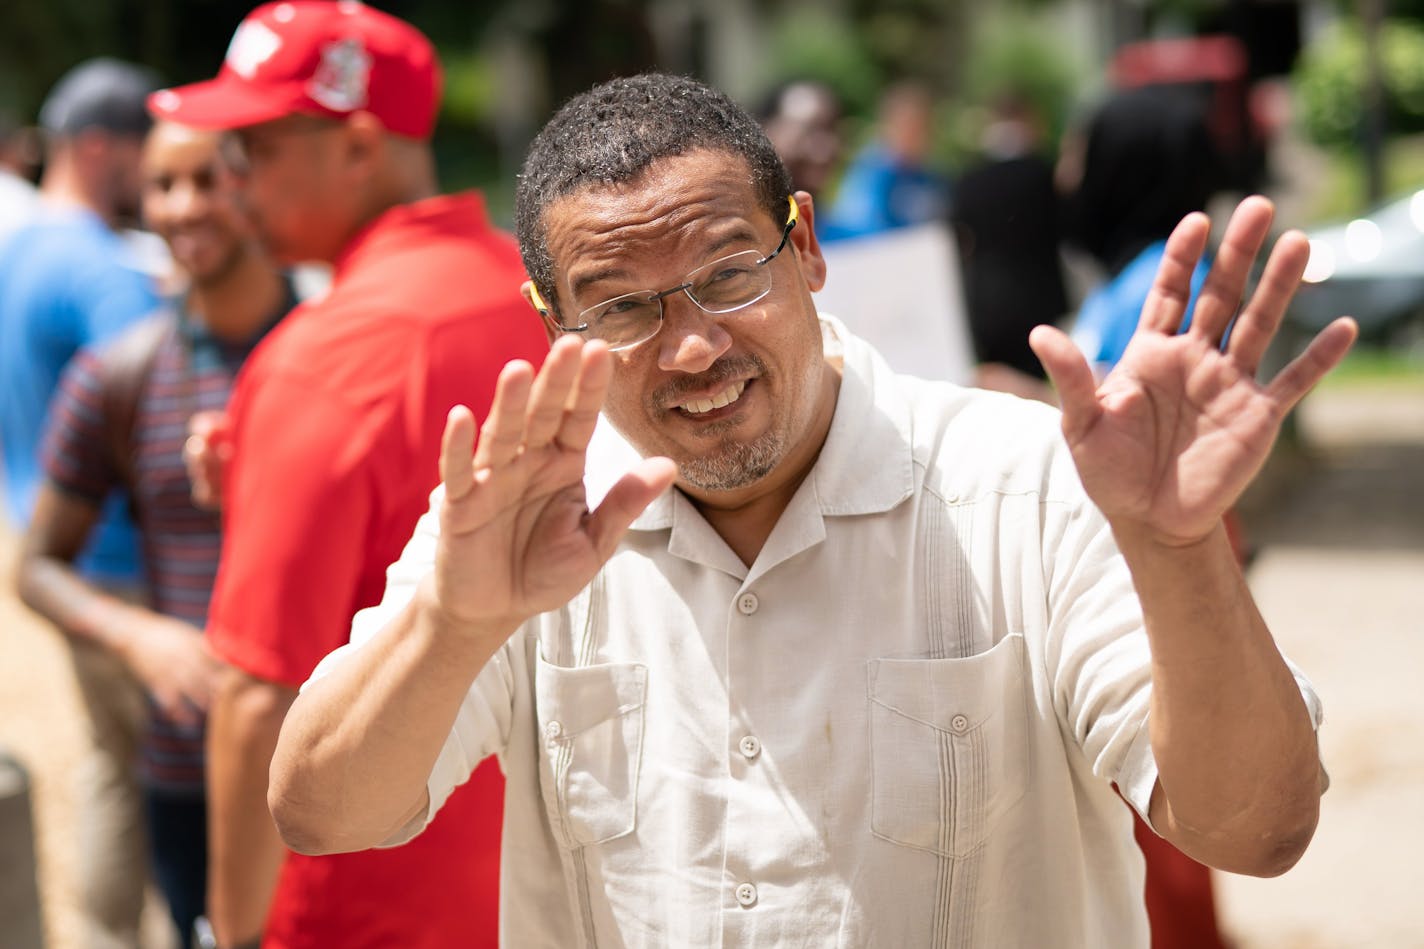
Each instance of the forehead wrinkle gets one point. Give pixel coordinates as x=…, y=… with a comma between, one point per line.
x=610, y=250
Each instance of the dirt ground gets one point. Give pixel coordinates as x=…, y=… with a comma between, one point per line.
x=40, y=727
x=1340, y=530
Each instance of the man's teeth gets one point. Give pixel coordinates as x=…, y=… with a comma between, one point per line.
x=726, y=397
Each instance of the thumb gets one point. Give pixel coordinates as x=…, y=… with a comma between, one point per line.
x=626, y=500
x=1071, y=376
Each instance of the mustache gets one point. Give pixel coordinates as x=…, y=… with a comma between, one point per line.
x=724, y=369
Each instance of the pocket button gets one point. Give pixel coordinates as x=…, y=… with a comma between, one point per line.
x=746, y=894
x=958, y=724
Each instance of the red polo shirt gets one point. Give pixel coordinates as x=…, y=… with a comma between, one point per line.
x=336, y=422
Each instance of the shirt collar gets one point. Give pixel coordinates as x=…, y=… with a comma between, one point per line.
x=865, y=467
x=405, y=222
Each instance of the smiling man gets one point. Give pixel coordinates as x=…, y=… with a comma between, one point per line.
x=847, y=658
x=118, y=423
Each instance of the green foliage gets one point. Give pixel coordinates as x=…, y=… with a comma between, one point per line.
x=471, y=87
x=811, y=45
x=1013, y=52
x=1330, y=81
x=1338, y=190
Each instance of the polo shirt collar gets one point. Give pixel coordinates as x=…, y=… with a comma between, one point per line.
x=413, y=223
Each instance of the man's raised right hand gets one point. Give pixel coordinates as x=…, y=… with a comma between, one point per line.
x=516, y=535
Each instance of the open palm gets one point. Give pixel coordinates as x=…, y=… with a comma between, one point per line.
x=516, y=536
x=1178, y=429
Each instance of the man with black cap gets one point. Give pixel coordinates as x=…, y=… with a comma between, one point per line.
x=67, y=279
x=334, y=428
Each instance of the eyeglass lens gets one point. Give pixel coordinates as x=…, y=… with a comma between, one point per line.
x=720, y=286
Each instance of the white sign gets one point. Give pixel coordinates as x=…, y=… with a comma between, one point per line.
x=901, y=291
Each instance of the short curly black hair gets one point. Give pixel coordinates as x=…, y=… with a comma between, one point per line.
x=614, y=131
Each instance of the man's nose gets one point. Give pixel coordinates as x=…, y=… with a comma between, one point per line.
x=691, y=339
x=187, y=200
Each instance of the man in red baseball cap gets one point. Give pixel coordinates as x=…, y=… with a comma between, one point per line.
x=333, y=430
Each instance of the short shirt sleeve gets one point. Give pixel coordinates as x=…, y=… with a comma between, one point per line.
x=75, y=448
x=296, y=512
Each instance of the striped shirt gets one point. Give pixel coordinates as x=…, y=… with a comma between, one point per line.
x=192, y=371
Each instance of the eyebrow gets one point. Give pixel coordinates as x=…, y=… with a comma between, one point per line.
x=580, y=284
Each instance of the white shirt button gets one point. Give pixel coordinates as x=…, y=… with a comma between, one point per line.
x=958, y=723
x=553, y=730
x=750, y=746
x=747, y=604
x=746, y=894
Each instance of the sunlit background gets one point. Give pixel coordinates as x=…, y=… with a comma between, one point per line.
x=1318, y=103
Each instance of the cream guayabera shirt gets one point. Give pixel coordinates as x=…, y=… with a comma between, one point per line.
x=898, y=728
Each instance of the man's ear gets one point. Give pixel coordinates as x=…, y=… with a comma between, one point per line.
x=365, y=142
x=532, y=297
x=807, y=244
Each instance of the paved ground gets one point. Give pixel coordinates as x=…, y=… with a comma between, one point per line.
x=1340, y=527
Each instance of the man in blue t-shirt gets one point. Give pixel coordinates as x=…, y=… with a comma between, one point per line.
x=67, y=278
x=66, y=281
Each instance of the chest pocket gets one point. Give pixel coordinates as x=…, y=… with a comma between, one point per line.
x=949, y=747
x=591, y=727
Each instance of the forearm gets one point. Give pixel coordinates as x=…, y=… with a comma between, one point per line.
x=244, y=851
x=359, y=745
x=51, y=587
x=1233, y=740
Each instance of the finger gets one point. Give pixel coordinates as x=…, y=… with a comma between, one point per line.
x=1323, y=354
x=581, y=414
x=552, y=388
x=627, y=499
x=1166, y=302
x=1220, y=296
x=503, y=430
x=1258, y=322
x=1071, y=376
x=457, y=445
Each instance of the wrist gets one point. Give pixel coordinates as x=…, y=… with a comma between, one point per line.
x=447, y=627
x=1138, y=537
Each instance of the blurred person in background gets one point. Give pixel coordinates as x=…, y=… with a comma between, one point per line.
x=802, y=118
x=889, y=183
x=1147, y=160
x=67, y=280
x=1006, y=219
x=18, y=195
x=334, y=430
x=119, y=423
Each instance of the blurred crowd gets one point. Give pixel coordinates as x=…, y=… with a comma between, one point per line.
x=233, y=316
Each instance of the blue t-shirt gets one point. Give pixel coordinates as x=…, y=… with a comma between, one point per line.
x=1109, y=315
x=880, y=193
x=66, y=281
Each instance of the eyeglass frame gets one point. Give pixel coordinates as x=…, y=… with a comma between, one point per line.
x=543, y=308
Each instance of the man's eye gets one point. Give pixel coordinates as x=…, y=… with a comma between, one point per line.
x=626, y=312
x=735, y=272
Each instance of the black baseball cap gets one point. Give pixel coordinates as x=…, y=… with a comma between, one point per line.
x=102, y=93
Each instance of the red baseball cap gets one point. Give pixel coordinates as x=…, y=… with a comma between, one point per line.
x=317, y=57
